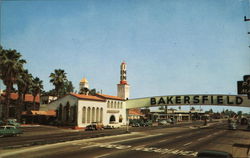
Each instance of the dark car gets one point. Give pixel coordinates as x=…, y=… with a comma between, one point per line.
x=90, y=128
x=135, y=125
x=213, y=154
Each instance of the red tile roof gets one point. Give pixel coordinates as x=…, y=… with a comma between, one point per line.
x=135, y=112
x=28, y=97
x=87, y=97
x=109, y=96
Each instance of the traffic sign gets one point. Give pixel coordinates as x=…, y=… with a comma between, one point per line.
x=244, y=86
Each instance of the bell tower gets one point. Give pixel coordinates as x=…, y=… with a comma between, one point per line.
x=123, y=87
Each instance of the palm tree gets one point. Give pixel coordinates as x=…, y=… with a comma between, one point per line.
x=11, y=65
x=58, y=79
x=24, y=81
x=68, y=87
x=37, y=86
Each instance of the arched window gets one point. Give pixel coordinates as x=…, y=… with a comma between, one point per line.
x=108, y=104
x=101, y=115
x=97, y=115
x=84, y=114
x=112, y=104
x=72, y=113
x=121, y=105
x=88, y=115
x=60, y=112
x=67, y=112
x=93, y=115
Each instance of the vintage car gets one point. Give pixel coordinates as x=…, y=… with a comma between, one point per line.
x=114, y=124
x=94, y=126
x=9, y=130
x=13, y=122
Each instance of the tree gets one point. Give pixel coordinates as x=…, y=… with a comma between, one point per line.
x=68, y=86
x=92, y=92
x=11, y=65
x=192, y=108
x=58, y=79
x=239, y=113
x=24, y=82
x=84, y=90
x=37, y=86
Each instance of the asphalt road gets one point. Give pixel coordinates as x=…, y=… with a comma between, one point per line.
x=175, y=142
x=39, y=135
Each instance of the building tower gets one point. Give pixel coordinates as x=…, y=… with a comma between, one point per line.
x=84, y=83
x=123, y=87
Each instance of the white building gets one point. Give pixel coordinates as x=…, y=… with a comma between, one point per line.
x=81, y=110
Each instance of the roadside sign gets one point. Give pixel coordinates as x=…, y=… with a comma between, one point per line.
x=243, y=87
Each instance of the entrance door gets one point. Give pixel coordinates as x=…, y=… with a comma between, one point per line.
x=112, y=119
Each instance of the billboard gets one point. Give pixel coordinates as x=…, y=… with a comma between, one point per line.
x=176, y=100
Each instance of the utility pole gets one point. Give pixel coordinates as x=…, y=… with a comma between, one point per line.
x=246, y=19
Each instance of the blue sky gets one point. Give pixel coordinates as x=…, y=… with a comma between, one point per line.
x=171, y=47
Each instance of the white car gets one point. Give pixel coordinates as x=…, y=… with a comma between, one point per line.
x=114, y=125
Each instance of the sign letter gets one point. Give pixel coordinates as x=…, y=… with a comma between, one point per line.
x=152, y=101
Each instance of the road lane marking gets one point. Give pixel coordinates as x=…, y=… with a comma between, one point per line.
x=187, y=144
x=162, y=141
x=179, y=137
x=102, y=155
x=201, y=139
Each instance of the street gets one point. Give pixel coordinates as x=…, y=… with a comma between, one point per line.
x=174, y=142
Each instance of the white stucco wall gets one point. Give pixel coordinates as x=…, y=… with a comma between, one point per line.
x=116, y=108
x=55, y=104
x=91, y=104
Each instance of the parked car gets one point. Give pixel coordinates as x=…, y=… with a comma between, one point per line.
x=213, y=154
x=90, y=128
x=94, y=126
x=13, y=122
x=163, y=122
x=98, y=125
x=9, y=130
x=135, y=125
x=114, y=125
x=107, y=127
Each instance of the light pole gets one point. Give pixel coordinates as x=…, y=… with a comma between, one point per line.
x=127, y=121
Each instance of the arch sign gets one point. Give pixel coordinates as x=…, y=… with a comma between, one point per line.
x=218, y=100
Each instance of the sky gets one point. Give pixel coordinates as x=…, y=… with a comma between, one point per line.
x=171, y=47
